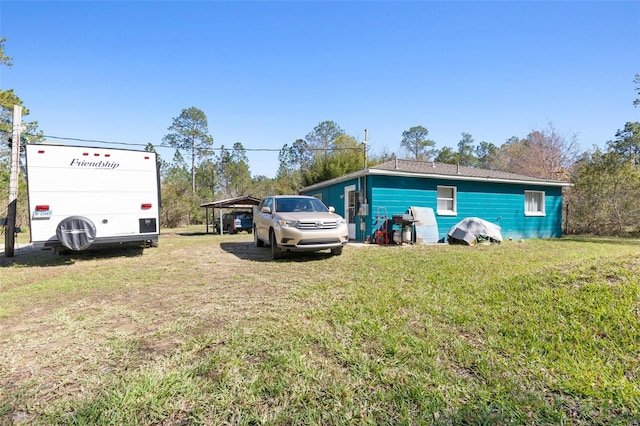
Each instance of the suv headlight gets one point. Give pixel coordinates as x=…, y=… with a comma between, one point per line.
x=341, y=222
x=289, y=223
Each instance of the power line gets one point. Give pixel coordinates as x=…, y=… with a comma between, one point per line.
x=169, y=146
x=138, y=144
x=91, y=140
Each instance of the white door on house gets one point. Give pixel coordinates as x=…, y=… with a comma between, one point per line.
x=350, y=209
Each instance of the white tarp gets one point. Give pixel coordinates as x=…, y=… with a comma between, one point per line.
x=470, y=228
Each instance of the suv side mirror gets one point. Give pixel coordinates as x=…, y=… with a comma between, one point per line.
x=332, y=209
x=266, y=209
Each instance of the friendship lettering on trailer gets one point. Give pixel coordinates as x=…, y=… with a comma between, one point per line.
x=95, y=164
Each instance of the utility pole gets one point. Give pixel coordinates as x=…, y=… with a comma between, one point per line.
x=10, y=230
x=362, y=194
x=365, y=147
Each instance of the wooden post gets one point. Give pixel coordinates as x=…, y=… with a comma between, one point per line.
x=10, y=230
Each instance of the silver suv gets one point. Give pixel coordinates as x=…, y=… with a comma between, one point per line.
x=298, y=223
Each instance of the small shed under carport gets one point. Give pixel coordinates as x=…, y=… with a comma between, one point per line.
x=244, y=202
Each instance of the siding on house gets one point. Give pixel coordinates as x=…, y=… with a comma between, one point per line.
x=333, y=195
x=499, y=203
x=498, y=197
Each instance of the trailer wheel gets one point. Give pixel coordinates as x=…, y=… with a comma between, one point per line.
x=76, y=233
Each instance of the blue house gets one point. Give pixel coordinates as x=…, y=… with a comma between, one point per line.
x=523, y=206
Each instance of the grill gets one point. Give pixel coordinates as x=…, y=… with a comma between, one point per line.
x=318, y=242
x=318, y=224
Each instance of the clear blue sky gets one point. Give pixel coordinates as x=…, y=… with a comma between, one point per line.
x=266, y=73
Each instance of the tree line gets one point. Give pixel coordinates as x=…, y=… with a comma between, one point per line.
x=603, y=200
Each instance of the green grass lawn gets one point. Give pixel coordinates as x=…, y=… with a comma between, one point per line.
x=207, y=329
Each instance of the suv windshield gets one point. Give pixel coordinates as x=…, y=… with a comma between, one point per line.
x=293, y=204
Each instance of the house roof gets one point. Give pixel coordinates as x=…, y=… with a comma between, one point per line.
x=431, y=168
x=435, y=170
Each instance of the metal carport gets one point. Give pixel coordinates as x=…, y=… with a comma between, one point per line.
x=244, y=202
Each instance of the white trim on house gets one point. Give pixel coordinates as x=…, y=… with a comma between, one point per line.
x=534, y=204
x=452, y=199
x=379, y=172
x=469, y=178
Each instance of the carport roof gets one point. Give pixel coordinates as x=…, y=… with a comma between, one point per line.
x=234, y=203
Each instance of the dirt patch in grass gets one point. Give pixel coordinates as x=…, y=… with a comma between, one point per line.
x=69, y=319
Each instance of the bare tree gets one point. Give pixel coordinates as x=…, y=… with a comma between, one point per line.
x=546, y=154
x=549, y=154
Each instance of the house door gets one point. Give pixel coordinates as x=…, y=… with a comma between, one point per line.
x=350, y=209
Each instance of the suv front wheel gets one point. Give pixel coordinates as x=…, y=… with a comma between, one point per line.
x=276, y=252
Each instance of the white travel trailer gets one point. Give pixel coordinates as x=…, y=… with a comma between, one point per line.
x=81, y=198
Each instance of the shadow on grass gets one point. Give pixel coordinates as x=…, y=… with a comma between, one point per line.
x=28, y=256
x=626, y=241
x=248, y=251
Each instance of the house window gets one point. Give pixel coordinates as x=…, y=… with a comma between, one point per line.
x=447, y=200
x=534, y=203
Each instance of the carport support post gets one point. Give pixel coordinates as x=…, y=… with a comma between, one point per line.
x=9, y=235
